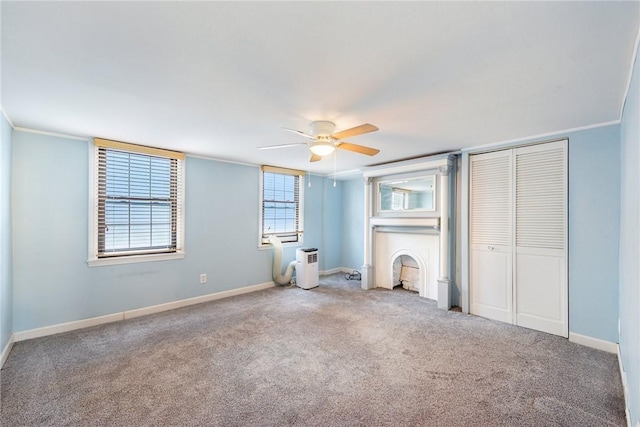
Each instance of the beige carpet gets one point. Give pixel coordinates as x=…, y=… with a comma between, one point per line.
x=332, y=356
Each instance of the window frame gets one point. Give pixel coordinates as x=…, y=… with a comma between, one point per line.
x=262, y=241
x=92, y=259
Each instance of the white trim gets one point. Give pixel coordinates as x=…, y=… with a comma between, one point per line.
x=406, y=166
x=93, y=244
x=10, y=124
x=623, y=377
x=215, y=159
x=67, y=326
x=133, y=259
x=59, y=135
x=342, y=176
x=634, y=54
x=130, y=314
x=464, y=232
x=346, y=175
x=7, y=349
x=268, y=247
x=560, y=134
x=405, y=222
x=596, y=343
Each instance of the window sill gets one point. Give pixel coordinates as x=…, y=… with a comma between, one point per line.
x=134, y=259
x=267, y=246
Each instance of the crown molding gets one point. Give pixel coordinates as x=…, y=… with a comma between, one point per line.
x=59, y=135
x=4, y=113
x=634, y=55
x=559, y=134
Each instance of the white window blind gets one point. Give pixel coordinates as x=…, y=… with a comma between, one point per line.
x=282, y=204
x=138, y=201
x=399, y=200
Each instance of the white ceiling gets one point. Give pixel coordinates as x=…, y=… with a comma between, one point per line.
x=220, y=79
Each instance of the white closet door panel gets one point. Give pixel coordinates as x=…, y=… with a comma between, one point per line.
x=540, y=291
x=491, y=283
x=541, y=299
x=491, y=203
x=541, y=196
x=491, y=231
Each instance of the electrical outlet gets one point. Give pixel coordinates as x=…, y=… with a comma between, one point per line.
x=203, y=278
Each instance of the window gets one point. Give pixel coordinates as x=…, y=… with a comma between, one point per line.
x=399, y=200
x=281, y=204
x=137, y=203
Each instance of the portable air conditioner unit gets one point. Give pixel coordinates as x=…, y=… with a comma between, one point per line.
x=307, y=268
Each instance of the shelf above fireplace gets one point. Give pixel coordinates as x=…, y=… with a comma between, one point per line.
x=404, y=222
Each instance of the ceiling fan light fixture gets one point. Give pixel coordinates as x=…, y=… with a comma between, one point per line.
x=322, y=148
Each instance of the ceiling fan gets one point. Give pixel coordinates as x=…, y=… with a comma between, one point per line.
x=325, y=141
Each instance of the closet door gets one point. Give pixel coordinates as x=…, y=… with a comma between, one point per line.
x=491, y=230
x=541, y=238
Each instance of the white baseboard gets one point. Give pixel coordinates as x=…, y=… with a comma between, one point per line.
x=67, y=326
x=623, y=377
x=130, y=314
x=596, y=343
x=7, y=349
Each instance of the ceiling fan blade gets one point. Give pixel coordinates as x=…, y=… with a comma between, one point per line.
x=358, y=130
x=314, y=158
x=361, y=149
x=269, y=147
x=299, y=132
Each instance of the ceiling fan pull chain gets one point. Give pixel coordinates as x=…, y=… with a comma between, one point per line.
x=335, y=155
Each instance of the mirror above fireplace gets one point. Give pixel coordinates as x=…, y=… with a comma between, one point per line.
x=415, y=194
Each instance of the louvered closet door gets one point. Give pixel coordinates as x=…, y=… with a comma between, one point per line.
x=540, y=291
x=491, y=230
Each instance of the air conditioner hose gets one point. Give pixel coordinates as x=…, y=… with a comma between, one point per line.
x=277, y=263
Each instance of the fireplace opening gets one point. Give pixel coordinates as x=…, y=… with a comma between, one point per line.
x=406, y=273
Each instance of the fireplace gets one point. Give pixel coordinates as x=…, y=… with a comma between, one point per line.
x=410, y=256
x=406, y=273
x=407, y=208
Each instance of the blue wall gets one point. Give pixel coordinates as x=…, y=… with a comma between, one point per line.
x=594, y=230
x=322, y=222
x=6, y=258
x=630, y=243
x=52, y=282
x=331, y=256
x=353, y=224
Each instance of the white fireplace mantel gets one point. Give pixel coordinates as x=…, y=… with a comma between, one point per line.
x=405, y=222
x=443, y=165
